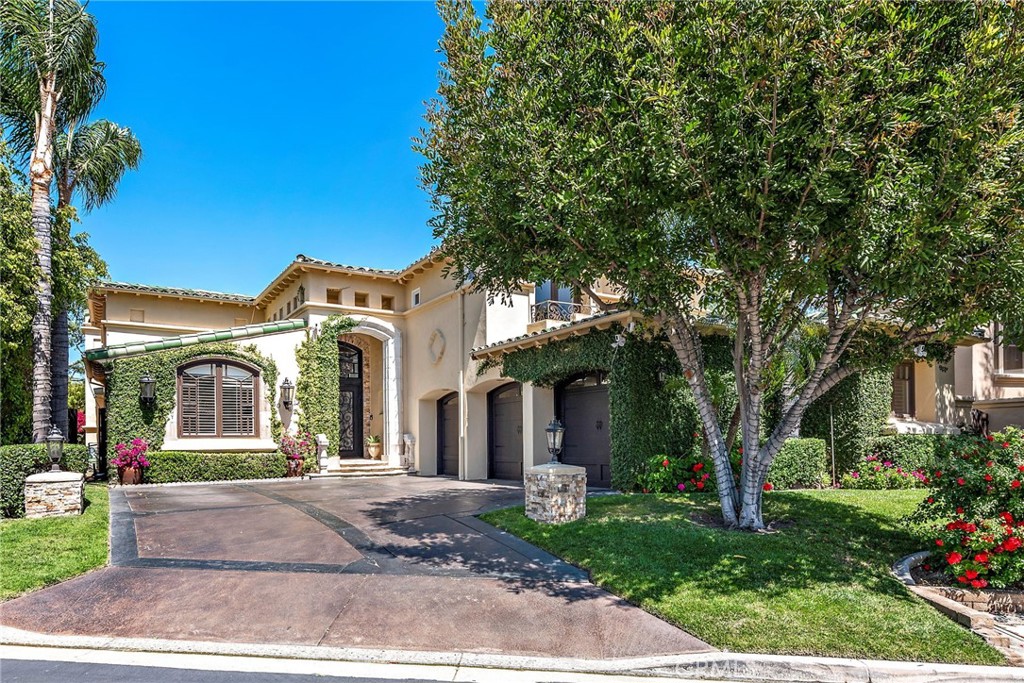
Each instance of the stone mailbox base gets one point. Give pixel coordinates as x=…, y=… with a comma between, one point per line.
x=54, y=494
x=556, y=493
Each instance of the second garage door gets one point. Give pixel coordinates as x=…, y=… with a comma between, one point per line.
x=505, y=445
x=583, y=404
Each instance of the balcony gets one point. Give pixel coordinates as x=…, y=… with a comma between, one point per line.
x=548, y=314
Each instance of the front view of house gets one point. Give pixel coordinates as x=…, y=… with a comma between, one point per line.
x=413, y=359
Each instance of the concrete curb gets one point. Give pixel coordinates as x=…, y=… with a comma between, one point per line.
x=707, y=666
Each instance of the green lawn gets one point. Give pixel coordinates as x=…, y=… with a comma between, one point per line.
x=820, y=586
x=40, y=552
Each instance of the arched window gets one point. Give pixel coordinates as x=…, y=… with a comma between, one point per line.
x=217, y=397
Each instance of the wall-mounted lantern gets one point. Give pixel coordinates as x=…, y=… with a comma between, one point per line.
x=287, y=393
x=555, y=432
x=147, y=390
x=54, y=447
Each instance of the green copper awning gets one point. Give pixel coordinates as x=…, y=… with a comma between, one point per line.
x=230, y=334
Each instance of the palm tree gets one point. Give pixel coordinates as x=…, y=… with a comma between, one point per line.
x=90, y=160
x=47, y=66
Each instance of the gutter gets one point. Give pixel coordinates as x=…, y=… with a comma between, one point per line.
x=230, y=334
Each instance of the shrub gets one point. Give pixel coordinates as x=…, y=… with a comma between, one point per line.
x=177, y=466
x=670, y=474
x=876, y=473
x=975, y=510
x=18, y=461
x=801, y=464
x=910, y=451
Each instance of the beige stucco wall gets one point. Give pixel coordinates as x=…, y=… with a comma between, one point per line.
x=187, y=313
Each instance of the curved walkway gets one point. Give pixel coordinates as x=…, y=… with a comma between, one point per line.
x=398, y=563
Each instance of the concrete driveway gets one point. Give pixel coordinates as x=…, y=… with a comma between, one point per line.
x=398, y=563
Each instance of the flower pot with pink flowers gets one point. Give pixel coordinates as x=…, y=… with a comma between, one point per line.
x=130, y=459
x=297, y=449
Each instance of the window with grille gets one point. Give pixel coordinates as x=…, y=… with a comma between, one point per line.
x=217, y=398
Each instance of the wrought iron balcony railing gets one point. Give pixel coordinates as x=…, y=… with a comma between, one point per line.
x=558, y=310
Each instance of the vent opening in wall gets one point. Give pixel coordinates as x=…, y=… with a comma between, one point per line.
x=240, y=322
x=362, y=300
x=387, y=303
x=334, y=296
x=137, y=315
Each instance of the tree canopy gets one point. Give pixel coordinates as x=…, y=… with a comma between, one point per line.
x=855, y=164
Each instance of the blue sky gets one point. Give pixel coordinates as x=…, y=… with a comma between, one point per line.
x=268, y=129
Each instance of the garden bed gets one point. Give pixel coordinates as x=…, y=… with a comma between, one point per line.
x=820, y=585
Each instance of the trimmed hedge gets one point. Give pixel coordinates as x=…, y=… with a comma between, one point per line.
x=801, y=464
x=177, y=466
x=860, y=406
x=18, y=461
x=910, y=451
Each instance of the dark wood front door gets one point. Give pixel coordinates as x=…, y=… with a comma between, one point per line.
x=505, y=444
x=448, y=435
x=350, y=401
x=583, y=404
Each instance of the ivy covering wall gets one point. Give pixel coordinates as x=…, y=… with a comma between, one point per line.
x=859, y=407
x=128, y=419
x=317, y=389
x=651, y=409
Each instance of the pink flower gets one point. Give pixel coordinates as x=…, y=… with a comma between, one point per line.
x=681, y=486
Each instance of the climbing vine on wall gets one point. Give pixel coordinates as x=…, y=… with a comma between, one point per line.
x=316, y=389
x=651, y=408
x=128, y=419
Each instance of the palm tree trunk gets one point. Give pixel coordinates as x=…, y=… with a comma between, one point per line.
x=59, y=371
x=41, y=176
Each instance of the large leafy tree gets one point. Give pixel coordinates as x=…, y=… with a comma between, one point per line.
x=855, y=164
x=49, y=67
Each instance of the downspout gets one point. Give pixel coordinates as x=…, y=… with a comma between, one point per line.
x=463, y=408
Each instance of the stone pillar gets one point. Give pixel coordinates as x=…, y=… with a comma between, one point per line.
x=556, y=493
x=321, y=451
x=54, y=494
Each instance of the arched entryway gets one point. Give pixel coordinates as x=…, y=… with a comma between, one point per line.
x=351, y=409
x=582, y=404
x=448, y=435
x=505, y=432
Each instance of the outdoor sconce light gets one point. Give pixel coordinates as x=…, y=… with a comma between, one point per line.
x=54, y=447
x=287, y=391
x=555, y=432
x=147, y=390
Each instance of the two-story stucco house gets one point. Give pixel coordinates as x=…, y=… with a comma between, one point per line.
x=410, y=370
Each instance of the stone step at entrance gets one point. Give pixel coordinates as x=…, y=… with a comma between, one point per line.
x=353, y=468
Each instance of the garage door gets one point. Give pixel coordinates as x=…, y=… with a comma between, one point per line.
x=505, y=447
x=448, y=435
x=584, y=412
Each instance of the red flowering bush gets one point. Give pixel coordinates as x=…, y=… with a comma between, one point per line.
x=670, y=473
x=302, y=446
x=975, y=510
x=131, y=455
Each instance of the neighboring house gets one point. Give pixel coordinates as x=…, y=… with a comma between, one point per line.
x=412, y=368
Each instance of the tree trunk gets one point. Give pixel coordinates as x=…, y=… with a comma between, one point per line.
x=59, y=371
x=41, y=176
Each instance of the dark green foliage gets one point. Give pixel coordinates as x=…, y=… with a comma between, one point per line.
x=648, y=416
x=801, y=464
x=316, y=388
x=18, y=461
x=128, y=419
x=860, y=405
x=171, y=466
x=910, y=451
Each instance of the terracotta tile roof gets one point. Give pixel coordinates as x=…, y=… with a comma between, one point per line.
x=302, y=258
x=173, y=291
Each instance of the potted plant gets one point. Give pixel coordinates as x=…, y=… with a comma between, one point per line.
x=373, y=447
x=296, y=449
x=129, y=459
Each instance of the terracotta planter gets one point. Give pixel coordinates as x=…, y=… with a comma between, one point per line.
x=129, y=475
x=374, y=449
x=295, y=467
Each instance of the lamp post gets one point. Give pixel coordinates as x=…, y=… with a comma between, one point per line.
x=147, y=390
x=287, y=392
x=555, y=432
x=54, y=447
